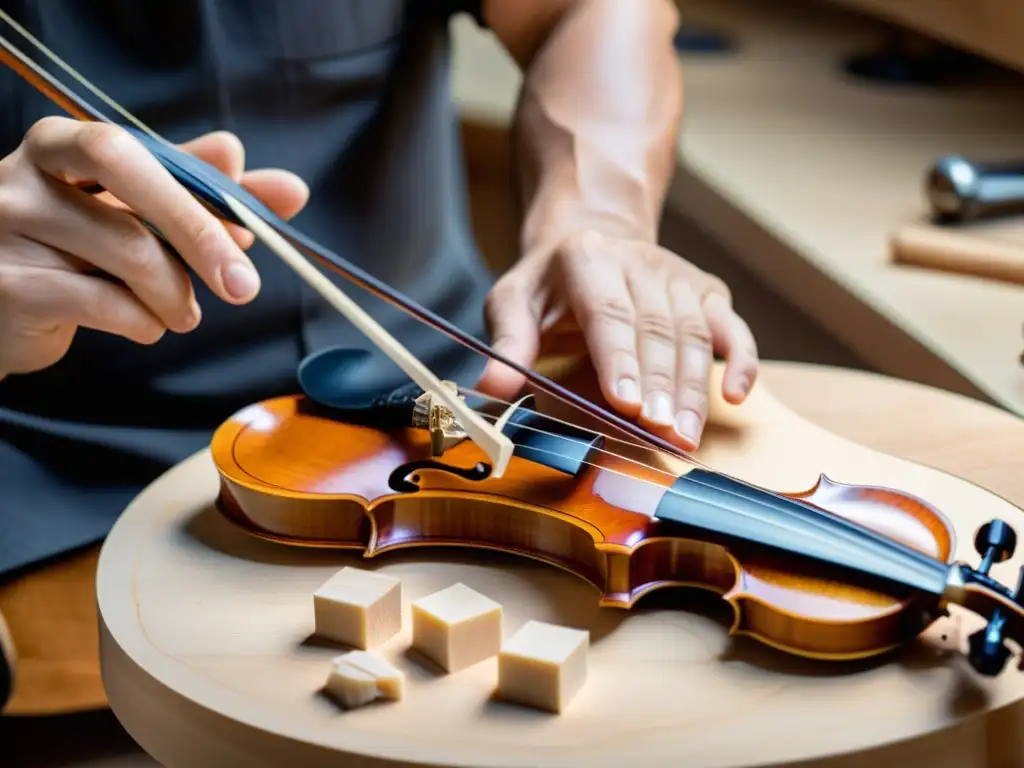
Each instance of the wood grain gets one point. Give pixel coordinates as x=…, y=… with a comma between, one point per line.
x=207, y=656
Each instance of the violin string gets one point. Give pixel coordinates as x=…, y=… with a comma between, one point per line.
x=675, y=451
x=849, y=532
x=824, y=515
x=894, y=553
x=692, y=459
x=549, y=433
x=820, y=520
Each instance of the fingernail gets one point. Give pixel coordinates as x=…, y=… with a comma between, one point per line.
x=688, y=425
x=628, y=391
x=658, y=408
x=743, y=385
x=241, y=281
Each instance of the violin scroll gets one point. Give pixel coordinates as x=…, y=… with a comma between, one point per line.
x=975, y=590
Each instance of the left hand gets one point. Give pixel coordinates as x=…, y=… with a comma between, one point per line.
x=650, y=320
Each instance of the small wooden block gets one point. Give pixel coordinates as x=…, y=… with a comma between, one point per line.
x=456, y=627
x=543, y=666
x=359, y=608
x=359, y=677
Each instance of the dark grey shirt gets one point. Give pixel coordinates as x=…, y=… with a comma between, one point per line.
x=353, y=96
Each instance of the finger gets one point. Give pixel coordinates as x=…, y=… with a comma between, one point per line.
x=24, y=252
x=694, y=363
x=656, y=347
x=596, y=290
x=63, y=297
x=281, y=191
x=221, y=149
x=73, y=151
x=70, y=220
x=513, y=318
x=734, y=340
x=225, y=152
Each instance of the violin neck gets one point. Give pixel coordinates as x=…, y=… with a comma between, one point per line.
x=736, y=515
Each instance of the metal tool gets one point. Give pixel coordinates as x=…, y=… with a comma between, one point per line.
x=960, y=190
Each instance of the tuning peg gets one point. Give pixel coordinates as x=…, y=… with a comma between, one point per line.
x=995, y=542
x=987, y=652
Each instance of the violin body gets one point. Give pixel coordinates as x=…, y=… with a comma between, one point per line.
x=291, y=473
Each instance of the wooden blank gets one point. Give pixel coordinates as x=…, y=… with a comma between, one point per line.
x=207, y=657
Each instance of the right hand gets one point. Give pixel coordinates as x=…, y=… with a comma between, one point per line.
x=57, y=241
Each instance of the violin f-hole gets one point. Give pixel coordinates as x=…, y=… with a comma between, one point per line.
x=404, y=479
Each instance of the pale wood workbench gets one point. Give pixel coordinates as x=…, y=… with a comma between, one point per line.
x=802, y=175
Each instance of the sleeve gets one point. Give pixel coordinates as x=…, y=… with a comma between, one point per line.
x=448, y=8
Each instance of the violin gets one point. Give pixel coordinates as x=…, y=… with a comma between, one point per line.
x=834, y=572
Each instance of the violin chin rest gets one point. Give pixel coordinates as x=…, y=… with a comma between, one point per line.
x=342, y=377
x=355, y=379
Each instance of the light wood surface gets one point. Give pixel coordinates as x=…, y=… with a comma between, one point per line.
x=990, y=28
x=207, y=656
x=989, y=249
x=804, y=175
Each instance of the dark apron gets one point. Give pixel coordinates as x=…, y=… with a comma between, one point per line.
x=352, y=95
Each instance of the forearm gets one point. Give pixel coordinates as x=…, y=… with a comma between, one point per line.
x=597, y=122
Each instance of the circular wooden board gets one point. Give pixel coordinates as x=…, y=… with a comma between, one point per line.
x=209, y=660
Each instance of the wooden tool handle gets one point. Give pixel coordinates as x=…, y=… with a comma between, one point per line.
x=968, y=254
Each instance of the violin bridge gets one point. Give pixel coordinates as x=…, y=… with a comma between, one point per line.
x=444, y=427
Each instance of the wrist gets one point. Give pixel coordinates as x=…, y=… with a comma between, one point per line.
x=548, y=227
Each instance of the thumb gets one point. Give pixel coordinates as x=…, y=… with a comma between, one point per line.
x=514, y=323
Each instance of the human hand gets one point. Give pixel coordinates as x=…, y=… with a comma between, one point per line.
x=59, y=245
x=650, y=320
